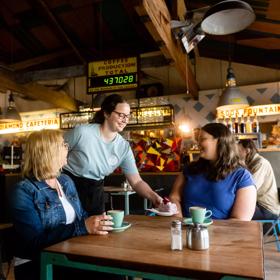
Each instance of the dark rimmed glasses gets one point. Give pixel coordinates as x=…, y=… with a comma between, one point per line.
x=123, y=116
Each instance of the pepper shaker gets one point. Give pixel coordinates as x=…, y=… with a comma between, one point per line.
x=176, y=235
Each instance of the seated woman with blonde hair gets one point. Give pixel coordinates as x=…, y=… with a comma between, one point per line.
x=217, y=181
x=45, y=205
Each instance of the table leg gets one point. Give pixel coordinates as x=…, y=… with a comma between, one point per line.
x=46, y=267
x=111, y=201
x=126, y=203
x=145, y=204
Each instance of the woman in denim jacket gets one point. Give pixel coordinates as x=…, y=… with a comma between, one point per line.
x=45, y=205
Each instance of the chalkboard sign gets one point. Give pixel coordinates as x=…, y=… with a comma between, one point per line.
x=112, y=75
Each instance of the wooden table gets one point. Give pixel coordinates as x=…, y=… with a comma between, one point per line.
x=143, y=250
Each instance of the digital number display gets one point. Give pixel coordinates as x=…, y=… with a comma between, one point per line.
x=112, y=82
x=127, y=79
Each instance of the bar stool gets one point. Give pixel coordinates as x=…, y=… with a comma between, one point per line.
x=274, y=225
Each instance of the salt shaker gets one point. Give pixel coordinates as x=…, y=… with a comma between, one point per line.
x=176, y=235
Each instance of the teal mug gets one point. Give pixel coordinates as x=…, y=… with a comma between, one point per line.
x=117, y=216
x=199, y=214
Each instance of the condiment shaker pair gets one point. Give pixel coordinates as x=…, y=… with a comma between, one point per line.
x=197, y=236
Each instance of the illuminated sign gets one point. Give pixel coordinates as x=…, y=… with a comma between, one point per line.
x=70, y=120
x=31, y=125
x=154, y=115
x=112, y=74
x=260, y=110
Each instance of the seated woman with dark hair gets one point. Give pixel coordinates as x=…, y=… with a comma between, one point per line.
x=217, y=181
x=268, y=206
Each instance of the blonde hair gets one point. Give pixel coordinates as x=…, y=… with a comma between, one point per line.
x=43, y=156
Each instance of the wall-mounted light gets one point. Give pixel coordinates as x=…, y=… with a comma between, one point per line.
x=10, y=113
x=223, y=18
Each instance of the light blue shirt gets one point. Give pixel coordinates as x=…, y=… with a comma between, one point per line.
x=91, y=157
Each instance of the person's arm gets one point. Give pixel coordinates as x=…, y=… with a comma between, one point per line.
x=245, y=204
x=143, y=189
x=176, y=193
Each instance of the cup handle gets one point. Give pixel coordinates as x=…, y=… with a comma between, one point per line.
x=208, y=214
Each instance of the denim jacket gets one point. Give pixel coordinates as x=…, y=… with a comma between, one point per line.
x=39, y=217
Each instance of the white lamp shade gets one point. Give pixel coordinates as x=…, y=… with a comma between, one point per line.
x=227, y=17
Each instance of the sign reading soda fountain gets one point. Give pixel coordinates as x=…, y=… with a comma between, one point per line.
x=261, y=110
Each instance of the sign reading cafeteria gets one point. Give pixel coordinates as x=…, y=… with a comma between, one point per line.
x=112, y=74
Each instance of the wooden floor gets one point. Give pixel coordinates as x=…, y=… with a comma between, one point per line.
x=271, y=263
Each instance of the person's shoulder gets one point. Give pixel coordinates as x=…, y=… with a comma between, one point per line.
x=65, y=179
x=121, y=139
x=241, y=171
x=86, y=127
x=24, y=185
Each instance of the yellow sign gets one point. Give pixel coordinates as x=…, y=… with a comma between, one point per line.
x=261, y=110
x=112, y=74
x=30, y=125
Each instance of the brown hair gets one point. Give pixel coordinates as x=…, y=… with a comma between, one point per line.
x=108, y=106
x=250, y=146
x=43, y=154
x=227, y=154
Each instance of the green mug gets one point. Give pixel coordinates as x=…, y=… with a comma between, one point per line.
x=117, y=216
x=199, y=214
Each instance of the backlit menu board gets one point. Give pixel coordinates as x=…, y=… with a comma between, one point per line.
x=154, y=115
x=112, y=75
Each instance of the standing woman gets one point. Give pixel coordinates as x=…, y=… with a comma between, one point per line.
x=45, y=205
x=96, y=150
x=217, y=181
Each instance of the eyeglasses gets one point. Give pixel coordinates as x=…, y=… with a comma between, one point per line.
x=122, y=116
x=65, y=145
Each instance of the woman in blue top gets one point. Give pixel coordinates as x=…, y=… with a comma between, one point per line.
x=217, y=181
x=45, y=205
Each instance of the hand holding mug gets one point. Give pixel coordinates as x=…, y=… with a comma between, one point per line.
x=99, y=225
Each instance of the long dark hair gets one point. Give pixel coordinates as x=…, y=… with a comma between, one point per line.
x=250, y=146
x=227, y=154
x=108, y=106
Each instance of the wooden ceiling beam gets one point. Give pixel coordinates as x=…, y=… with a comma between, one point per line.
x=159, y=27
x=38, y=60
x=32, y=90
x=54, y=22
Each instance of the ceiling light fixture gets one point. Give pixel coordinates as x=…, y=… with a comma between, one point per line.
x=226, y=17
x=231, y=97
x=10, y=113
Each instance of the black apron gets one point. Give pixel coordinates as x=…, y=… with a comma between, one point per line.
x=91, y=193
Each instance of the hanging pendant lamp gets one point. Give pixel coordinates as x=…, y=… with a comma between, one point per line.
x=10, y=113
x=231, y=97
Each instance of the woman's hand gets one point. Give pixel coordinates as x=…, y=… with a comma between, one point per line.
x=99, y=225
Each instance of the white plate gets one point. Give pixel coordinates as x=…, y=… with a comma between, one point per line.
x=159, y=213
x=125, y=225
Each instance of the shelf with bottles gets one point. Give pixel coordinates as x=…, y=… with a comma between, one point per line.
x=256, y=137
x=242, y=124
